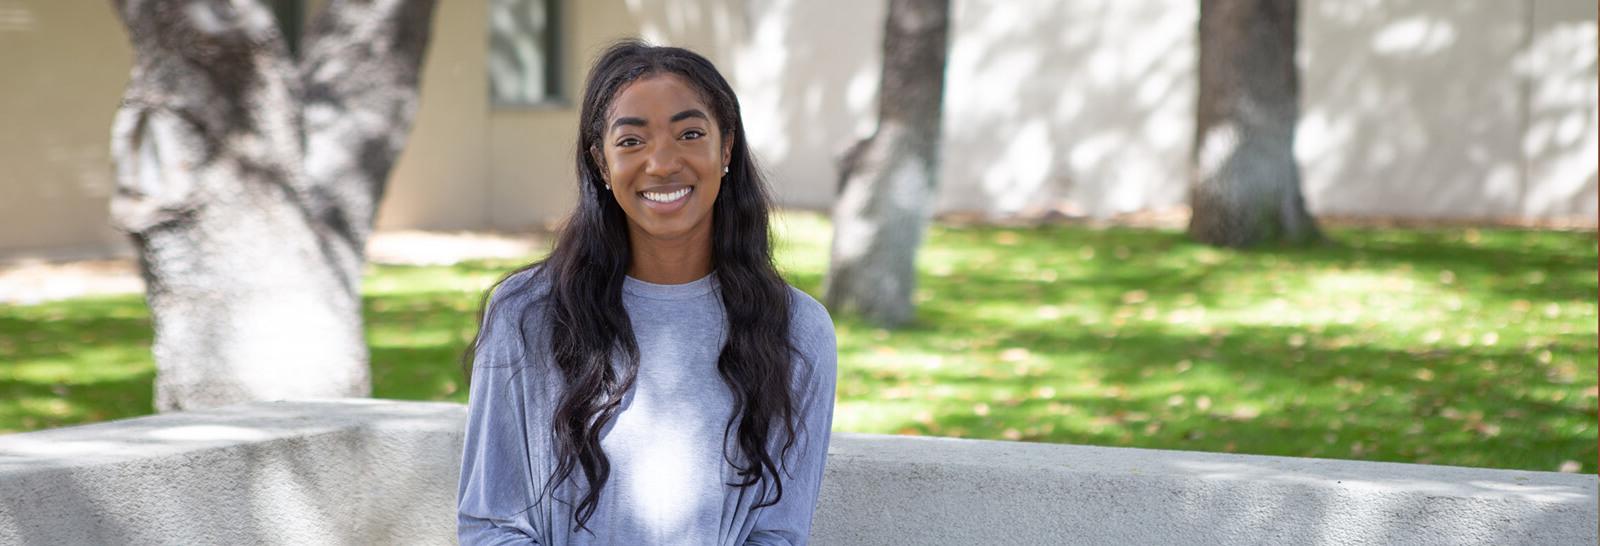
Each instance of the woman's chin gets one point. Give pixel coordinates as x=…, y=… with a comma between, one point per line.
x=675, y=228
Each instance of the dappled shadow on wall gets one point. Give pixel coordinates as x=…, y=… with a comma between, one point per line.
x=1447, y=109
x=808, y=83
x=1085, y=106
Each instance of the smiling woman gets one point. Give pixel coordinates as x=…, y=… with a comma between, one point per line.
x=654, y=380
x=664, y=159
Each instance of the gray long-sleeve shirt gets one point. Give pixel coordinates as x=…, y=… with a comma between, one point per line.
x=669, y=475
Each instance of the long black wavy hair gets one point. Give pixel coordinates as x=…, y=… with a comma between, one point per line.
x=586, y=269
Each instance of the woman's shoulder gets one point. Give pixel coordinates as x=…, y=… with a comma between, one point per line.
x=809, y=321
x=522, y=287
x=812, y=338
x=518, y=292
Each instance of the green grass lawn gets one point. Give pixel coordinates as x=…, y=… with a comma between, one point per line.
x=1460, y=346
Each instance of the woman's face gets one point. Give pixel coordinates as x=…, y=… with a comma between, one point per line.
x=663, y=155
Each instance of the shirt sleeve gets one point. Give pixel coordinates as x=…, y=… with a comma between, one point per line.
x=495, y=495
x=789, y=521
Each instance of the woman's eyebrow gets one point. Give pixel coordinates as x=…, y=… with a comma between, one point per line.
x=680, y=116
x=690, y=113
x=637, y=122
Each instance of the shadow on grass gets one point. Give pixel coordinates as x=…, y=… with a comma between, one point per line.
x=1105, y=328
x=1255, y=389
x=1067, y=334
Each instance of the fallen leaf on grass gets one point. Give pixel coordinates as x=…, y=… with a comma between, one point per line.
x=1245, y=413
x=1488, y=430
x=1134, y=297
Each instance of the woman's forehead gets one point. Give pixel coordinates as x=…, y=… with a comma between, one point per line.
x=656, y=96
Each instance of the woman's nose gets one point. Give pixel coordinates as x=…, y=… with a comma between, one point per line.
x=663, y=162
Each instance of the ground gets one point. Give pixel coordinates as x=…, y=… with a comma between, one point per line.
x=1432, y=344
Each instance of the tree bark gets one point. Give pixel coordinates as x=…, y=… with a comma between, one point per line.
x=249, y=182
x=887, y=181
x=1245, y=188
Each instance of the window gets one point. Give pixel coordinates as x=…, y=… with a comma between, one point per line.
x=524, y=48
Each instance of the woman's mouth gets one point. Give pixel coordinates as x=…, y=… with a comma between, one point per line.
x=667, y=197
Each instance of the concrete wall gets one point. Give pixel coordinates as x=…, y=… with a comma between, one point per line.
x=384, y=472
x=1430, y=108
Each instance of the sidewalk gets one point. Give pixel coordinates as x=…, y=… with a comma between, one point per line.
x=30, y=282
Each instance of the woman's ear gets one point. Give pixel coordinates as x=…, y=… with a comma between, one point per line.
x=727, y=148
x=599, y=163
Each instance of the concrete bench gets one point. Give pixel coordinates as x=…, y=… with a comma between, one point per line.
x=384, y=472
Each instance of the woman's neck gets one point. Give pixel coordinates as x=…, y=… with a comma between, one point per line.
x=671, y=261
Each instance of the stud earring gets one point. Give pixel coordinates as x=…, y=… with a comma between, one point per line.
x=608, y=187
x=724, y=169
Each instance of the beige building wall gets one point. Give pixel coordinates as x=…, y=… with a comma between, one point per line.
x=467, y=164
x=64, y=65
x=441, y=179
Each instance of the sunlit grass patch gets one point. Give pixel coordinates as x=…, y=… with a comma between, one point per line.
x=1409, y=345
x=76, y=361
x=1467, y=347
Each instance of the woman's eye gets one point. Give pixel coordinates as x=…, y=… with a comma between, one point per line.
x=693, y=134
x=626, y=142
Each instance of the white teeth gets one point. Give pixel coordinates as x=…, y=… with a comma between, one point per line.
x=665, y=197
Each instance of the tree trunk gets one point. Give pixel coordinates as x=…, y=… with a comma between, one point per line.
x=1246, y=184
x=249, y=184
x=887, y=181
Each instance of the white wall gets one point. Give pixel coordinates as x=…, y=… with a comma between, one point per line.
x=1421, y=108
x=1559, y=141
x=1477, y=108
x=384, y=472
x=807, y=79
x=1412, y=108
x=1086, y=105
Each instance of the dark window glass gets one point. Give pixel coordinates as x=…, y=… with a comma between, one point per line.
x=523, y=52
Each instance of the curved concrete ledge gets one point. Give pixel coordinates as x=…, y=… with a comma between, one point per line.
x=384, y=472
x=327, y=472
x=907, y=490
